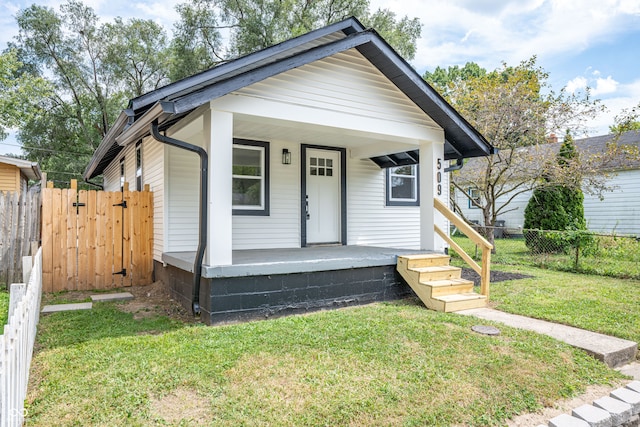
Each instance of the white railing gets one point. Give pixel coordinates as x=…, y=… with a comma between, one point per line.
x=16, y=344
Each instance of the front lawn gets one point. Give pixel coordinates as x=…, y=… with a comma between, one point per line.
x=381, y=364
x=601, y=304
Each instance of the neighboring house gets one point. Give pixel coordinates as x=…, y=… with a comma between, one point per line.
x=322, y=153
x=617, y=212
x=16, y=173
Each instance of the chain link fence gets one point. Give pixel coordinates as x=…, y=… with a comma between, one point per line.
x=572, y=250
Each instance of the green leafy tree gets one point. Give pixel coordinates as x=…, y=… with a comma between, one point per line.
x=256, y=24
x=93, y=69
x=20, y=92
x=556, y=206
x=626, y=121
x=513, y=107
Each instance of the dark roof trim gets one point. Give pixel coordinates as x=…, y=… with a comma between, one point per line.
x=108, y=148
x=397, y=159
x=348, y=26
x=404, y=76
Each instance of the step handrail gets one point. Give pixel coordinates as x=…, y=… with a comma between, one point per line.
x=484, y=270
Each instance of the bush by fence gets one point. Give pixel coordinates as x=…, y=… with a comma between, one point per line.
x=16, y=345
x=573, y=250
x=19, y=228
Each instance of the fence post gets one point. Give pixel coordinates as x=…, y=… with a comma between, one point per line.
x=16, y=292
x=27, y=265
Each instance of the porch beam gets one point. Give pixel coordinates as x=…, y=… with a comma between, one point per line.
x=280, y=110
x=218, y=139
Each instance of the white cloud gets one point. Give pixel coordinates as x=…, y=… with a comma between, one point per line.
x=577, y=84
x=627, y=96
x=604, y=86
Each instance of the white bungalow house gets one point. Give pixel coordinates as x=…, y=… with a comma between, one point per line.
x=322, y=156
x=617, y=211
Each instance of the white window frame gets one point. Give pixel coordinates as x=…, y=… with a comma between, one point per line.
x=470, y=195
x=263, y=148
x=139, y=162
x=397, y=201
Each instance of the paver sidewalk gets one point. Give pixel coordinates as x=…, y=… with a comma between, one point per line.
x=612, y=351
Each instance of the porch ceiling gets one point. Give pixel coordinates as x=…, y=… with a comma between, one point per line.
x=360, y=144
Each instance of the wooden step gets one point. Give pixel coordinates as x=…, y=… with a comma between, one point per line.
x=437, y=272
x=449, y=287
x=425, y=260
x=463, y=301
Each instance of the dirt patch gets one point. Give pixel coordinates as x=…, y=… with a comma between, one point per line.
x=181, y=407
x=148, y=301
x=496, y=276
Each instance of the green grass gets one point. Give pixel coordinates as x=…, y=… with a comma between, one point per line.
x=4, y=306
x=381, y=364
x=608, y=256
x=602, y=304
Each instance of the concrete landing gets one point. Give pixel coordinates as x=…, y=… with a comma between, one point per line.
x=55, y=308
x=612, y=351
x=121, y=296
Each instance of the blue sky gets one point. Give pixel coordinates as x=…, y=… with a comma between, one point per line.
x=593, y=43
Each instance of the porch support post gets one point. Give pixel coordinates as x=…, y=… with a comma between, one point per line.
x=218, y=139
x=431, y=155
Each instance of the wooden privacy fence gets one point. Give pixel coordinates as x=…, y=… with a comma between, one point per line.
x=19, y=230
x=16, y=344
x=96, y=239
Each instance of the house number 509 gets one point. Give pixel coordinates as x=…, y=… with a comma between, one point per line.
x=439, y=176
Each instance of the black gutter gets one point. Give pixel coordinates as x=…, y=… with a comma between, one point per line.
x=204, y=191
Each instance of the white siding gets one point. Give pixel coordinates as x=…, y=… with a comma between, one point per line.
x=111, y=176
x=281, y=229
x=345, y=82
x=370, y=222
x=619, y=211
x=153, y=174
x=183, y=183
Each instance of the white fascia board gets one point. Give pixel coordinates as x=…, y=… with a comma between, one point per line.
x=278, y=110
x=140, y=127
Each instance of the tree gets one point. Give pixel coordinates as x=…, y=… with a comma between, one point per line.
x=514, y=108
x=627, y=120
x=20, y=92
x=555, y=206
x=93, y=69
x=257, y=24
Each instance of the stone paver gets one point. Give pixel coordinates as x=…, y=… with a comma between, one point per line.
x=628, y=396
x=55, y=308
x=620, y=411
x=566, y=420
x=595, y=417
x=634, y=385
x=121, y=296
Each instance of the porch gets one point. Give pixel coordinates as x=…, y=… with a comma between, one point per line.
x=263, y=262
x=274, y=282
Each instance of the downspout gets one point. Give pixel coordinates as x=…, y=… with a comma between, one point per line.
x=101, y=187
x=204, y=177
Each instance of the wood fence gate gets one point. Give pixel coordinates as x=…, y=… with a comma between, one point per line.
x=96, y=239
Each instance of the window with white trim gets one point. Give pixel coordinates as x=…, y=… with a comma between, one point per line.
x=474, y=194
x=122, y=174
x=139, y=166
x=402, y=186
x=250, y=177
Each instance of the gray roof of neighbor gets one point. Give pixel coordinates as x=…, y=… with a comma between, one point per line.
x=183, y=96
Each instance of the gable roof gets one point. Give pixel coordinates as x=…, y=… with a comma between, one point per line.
x=29, y=169
x=172, y=102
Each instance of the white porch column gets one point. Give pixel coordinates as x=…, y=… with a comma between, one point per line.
x=431, y=162
x=218, y=138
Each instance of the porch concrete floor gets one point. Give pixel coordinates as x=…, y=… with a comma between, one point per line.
x=261, y=262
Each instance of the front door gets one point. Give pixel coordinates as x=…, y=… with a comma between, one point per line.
x=323, y=195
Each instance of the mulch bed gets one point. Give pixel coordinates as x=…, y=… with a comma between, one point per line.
x=496, y=276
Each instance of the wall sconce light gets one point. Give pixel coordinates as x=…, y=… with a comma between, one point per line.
x=286, y=157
